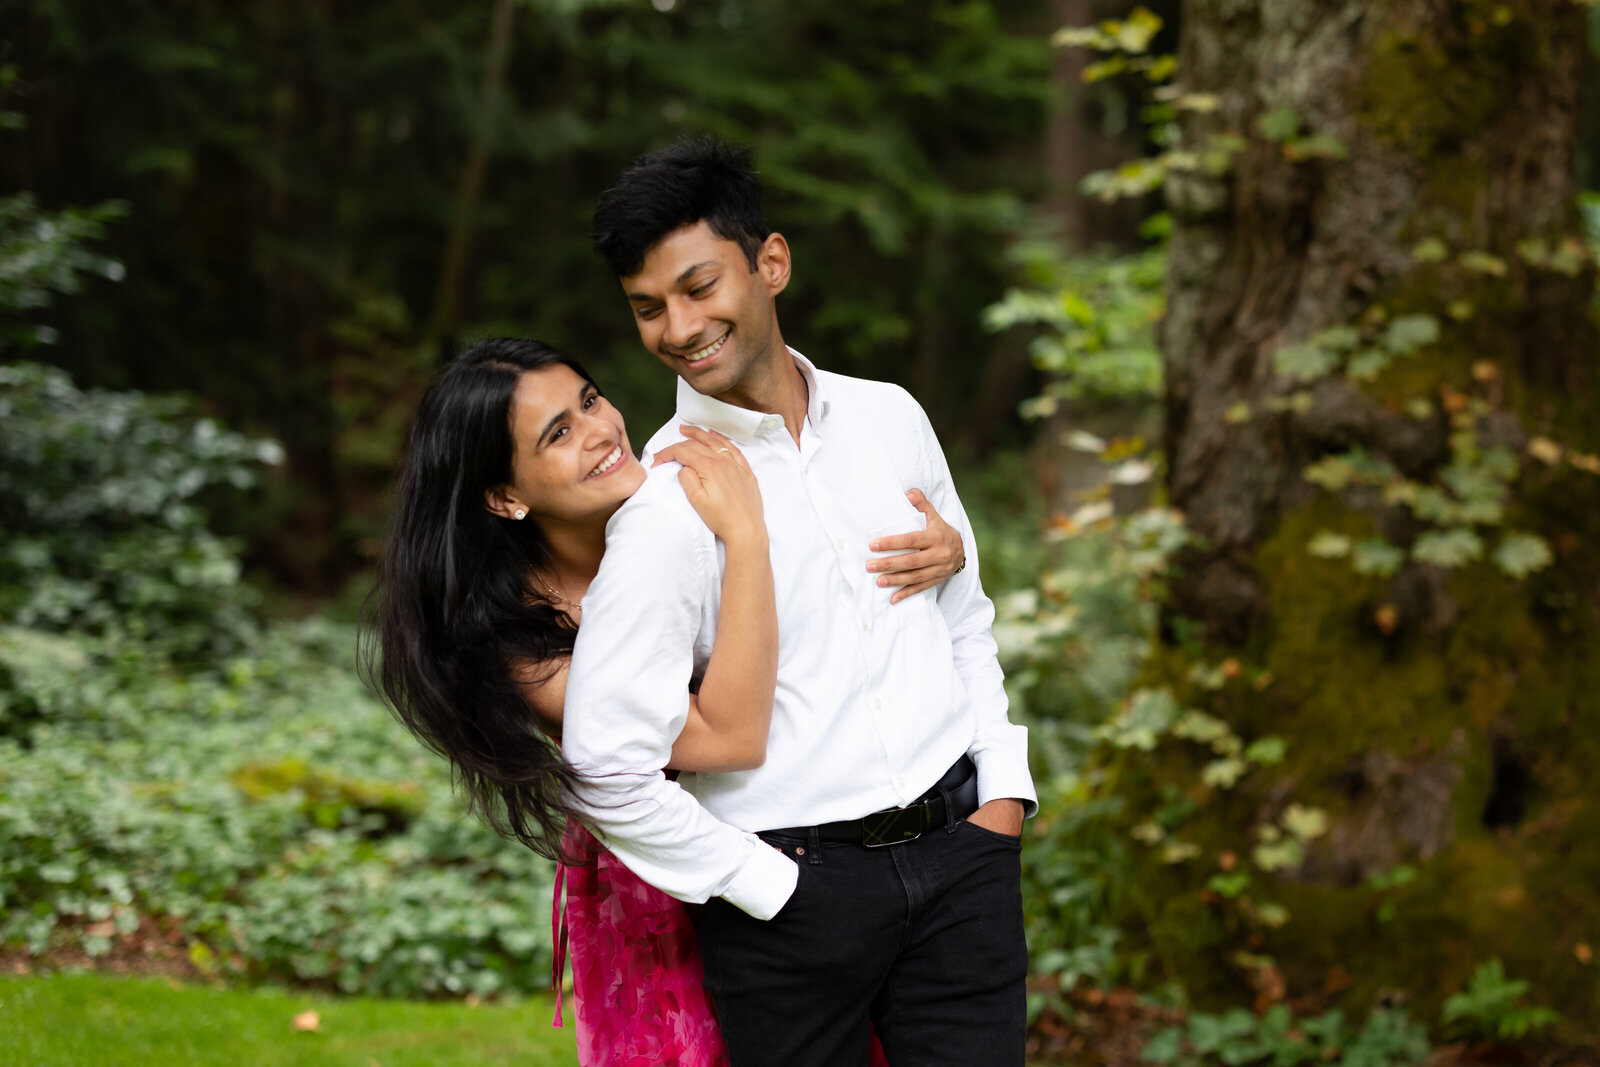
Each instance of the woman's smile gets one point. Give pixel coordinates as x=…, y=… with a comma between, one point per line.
x=606, y=464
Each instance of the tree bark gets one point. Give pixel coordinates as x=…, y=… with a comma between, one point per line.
x=1446, y=719
x=453, y=264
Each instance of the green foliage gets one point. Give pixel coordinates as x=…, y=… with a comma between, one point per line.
x=273, y=811
x=166, y=758
x=100, y=498
x=1240, y=1038
x=44, y=254
x=295, y=185
x=1095, y=318
x=1491, y=1008
x=1072, y=646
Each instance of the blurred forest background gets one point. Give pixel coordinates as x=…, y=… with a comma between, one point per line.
x=1262, y=334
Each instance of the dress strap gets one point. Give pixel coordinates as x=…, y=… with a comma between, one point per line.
x=558, y=937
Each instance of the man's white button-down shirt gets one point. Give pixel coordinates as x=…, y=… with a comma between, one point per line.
x=874, y=701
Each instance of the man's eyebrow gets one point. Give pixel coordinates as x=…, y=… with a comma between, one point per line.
x=680, y=280
x=562, y=414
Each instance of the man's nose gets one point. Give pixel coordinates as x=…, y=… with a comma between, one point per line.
x=684, y=324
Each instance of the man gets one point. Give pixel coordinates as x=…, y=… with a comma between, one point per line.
x=866, y=872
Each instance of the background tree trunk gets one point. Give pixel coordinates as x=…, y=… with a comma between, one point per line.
x=1447, y=720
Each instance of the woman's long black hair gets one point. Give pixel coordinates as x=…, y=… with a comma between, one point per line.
x=455, y=614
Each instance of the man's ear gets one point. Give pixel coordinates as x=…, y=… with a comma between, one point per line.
x=773, y=263
x=500, y=502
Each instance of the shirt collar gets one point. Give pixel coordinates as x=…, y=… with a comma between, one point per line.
x=742, y=424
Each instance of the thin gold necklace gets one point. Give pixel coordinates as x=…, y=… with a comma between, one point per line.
x=557, y=600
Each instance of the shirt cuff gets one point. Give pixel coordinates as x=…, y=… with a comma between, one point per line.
x=1001, y=776
x=764, y=884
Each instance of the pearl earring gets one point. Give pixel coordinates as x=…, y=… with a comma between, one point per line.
x=519, y=514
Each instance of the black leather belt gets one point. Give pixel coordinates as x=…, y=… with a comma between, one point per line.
x=952, y=798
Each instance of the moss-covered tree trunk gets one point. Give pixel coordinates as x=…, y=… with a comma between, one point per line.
x=1411, y=162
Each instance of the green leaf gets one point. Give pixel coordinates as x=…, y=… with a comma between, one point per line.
x=1337, y=338
x=1333, y=473
x=1141, y=721
x=1082, y=36
x=1272, y=915
x=1483, y=263
x=1430, y=250
x=1104, y=69
x=1520, y=554
x=1135, y=33
x=1376, y=556
x=1164, y=1047
x=1304, y=362
x=1278, y=855
x=1305, y=822
x=1455, y=547
x=1366, y=366
x=1224, y=773
x=1229, y=886
x=1279, y=124
x=1266, y=750
x=1409, y=333
x=1198, y=726
x=1329, y=545
x=1316, y=146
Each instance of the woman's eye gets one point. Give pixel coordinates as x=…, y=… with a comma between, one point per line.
x=590, y=401
x=557, y=434
x=701, y=290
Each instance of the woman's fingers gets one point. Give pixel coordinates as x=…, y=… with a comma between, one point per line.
x=689, y=453
x=932, y=571
x=913, y=590
x=915, y=541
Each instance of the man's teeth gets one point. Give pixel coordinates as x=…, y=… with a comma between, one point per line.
x=710, y=349
x=605, y=464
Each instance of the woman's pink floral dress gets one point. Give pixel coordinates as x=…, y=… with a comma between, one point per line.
x=636, y=972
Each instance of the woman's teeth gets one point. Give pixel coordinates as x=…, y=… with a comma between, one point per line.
x=605, y=464
x=708, y=350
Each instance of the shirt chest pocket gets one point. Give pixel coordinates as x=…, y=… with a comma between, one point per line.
x=877, y=607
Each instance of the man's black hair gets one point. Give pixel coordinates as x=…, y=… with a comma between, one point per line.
x=677, y=186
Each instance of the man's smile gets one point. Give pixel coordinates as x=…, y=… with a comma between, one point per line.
x=709, y=350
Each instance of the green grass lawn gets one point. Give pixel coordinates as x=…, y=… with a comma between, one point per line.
x=89, y=1020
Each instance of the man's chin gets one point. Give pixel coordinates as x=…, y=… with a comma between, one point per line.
x=706, y=382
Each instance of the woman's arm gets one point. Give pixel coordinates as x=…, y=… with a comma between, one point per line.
x=728, y=719
x=726, y=729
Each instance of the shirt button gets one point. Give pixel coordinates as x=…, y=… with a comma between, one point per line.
x=839, y=544
x=899, y=783
x=877, y=702
x=865, y=625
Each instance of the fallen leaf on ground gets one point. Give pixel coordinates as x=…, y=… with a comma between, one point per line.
x=307, y=1021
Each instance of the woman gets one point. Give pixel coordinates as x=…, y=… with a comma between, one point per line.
x=515, y=463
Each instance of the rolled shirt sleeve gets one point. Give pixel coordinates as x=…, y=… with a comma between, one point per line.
x=628, y=697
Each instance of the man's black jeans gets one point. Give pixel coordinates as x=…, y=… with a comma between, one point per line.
x=923, y=939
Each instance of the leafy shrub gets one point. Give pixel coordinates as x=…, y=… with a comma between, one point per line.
x=1240, y=1038
x=99, y=497
x=1073, y=645
x=274, y=811
x=1491, y=1008
x=165, y=755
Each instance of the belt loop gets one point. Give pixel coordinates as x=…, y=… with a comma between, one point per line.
x=949, y=811
x=814, y=843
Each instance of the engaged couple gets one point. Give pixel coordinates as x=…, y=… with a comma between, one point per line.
x=744, y=686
